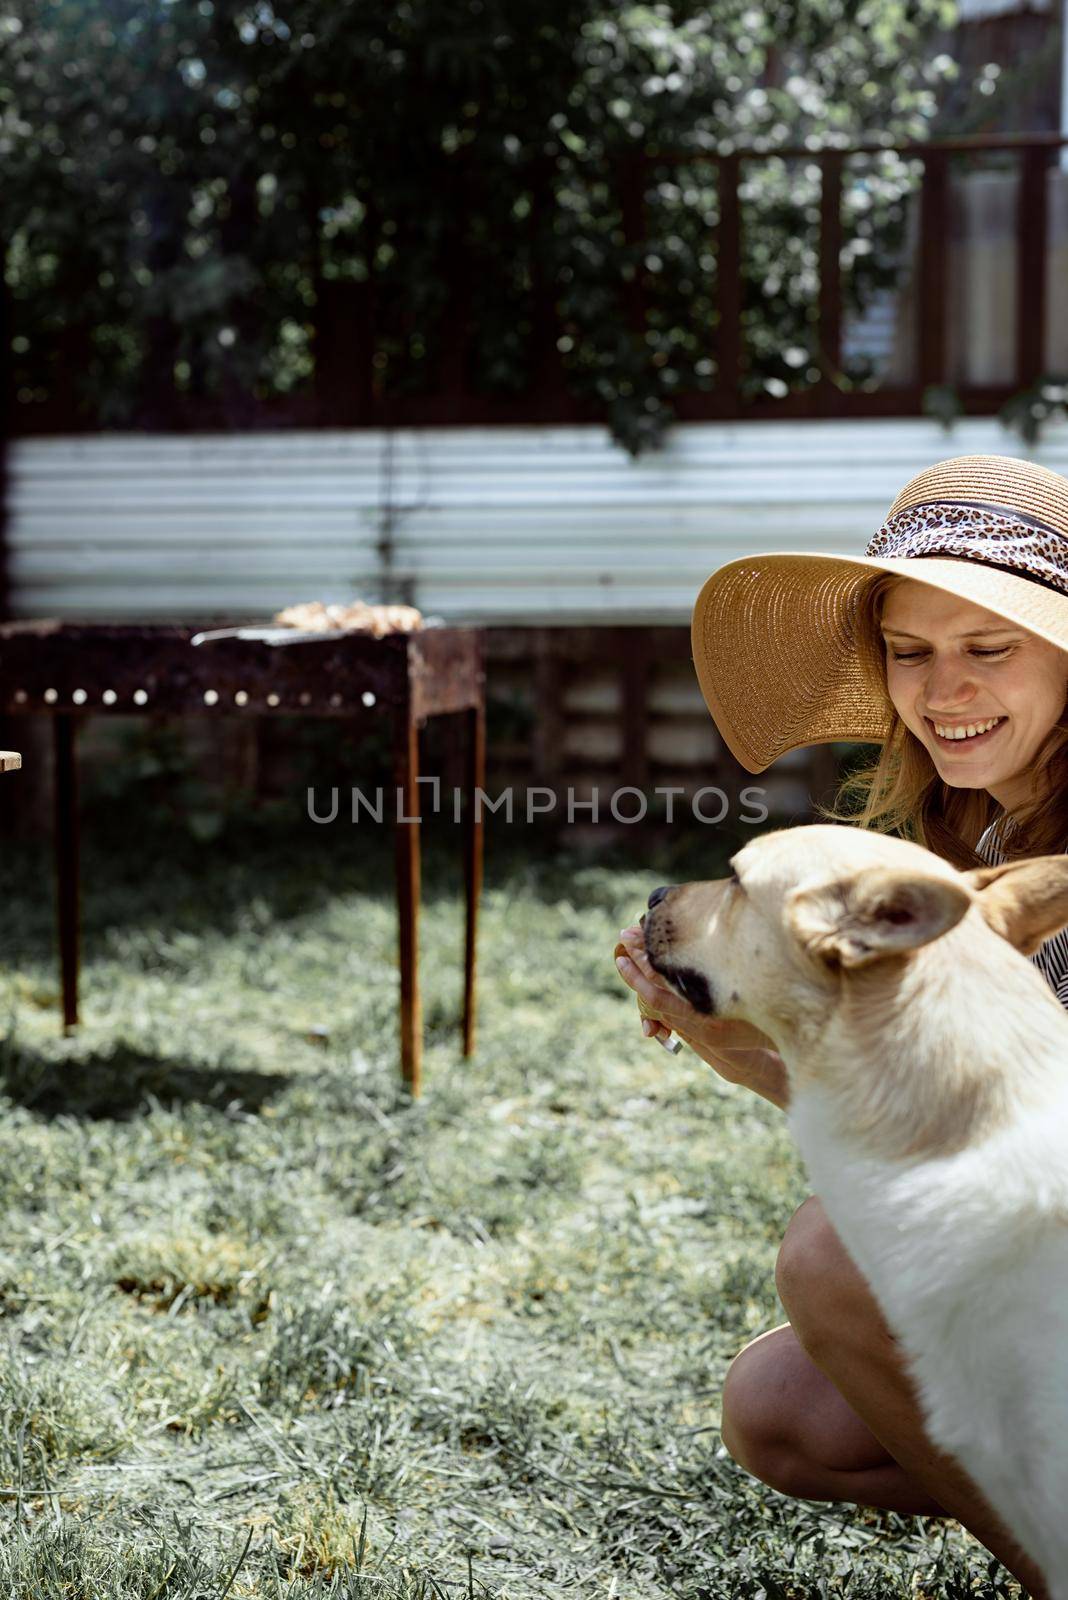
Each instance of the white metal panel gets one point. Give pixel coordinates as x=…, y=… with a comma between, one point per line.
x=533, y=524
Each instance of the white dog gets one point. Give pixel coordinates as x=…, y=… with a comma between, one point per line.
x=928, y=1069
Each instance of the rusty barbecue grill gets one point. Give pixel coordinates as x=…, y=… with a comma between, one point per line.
x=70, y=670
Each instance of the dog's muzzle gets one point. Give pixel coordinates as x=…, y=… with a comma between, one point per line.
x=655, y=923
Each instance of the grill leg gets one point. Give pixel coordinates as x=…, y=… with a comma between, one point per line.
x=406, y=839
x=66, y=849
x=475, y=719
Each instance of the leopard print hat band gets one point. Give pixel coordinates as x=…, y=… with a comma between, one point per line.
x=996, y=536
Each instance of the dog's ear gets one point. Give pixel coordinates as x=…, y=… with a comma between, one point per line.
x=874, y=914
x=1025, y=901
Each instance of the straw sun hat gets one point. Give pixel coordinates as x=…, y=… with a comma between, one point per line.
x=780, y=652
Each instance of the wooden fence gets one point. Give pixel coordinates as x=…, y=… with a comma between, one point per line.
x=607, y=708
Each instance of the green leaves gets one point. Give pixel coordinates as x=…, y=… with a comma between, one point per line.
x=188, y=171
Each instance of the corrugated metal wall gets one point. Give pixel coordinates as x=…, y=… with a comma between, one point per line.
x=538, y=525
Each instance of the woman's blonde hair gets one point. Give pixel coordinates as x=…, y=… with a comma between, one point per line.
x=902, y=793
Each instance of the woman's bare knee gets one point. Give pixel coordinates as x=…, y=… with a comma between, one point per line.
x=756, y=1410
x=785, y=1422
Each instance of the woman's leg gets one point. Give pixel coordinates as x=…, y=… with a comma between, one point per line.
x=786, y=1423
x=857, y=1435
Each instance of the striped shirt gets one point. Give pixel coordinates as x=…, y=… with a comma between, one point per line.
x=1051, y=957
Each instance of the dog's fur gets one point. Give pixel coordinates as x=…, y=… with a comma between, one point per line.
x=927, y=1062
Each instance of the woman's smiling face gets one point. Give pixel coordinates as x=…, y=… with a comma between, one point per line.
x=952, y=665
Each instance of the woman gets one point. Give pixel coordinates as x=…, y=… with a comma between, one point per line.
x=946, y=644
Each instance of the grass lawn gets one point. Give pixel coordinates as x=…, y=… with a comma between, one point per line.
x=268, y=1327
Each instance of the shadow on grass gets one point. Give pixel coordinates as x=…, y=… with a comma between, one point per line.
x=140, y=872
x=119, y=1084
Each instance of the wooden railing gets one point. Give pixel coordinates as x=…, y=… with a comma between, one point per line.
x=352, y=319
x=549, y=402
x=931, y=367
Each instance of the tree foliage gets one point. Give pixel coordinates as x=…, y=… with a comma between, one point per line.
x=204, y=200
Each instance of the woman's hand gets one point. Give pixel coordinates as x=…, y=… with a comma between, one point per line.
x=739, y=1052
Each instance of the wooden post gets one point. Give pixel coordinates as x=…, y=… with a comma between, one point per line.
x=632, y=654
x=406, y=842
x=475, y=778
x=932, y=363
x=830, y=309
x=729, y=282
x=344, y=352
x=456, y=269
x=10, y=761
x=548, y=708
x=65, y=783
x=548, y=377
x=1031, y=233
x=632, y=208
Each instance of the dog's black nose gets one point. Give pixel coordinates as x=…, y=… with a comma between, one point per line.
x=658, y=894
